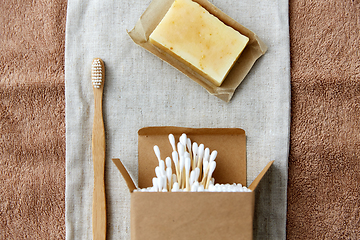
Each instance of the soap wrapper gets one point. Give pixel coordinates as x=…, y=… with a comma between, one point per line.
x=192, y=215
x=254, y=49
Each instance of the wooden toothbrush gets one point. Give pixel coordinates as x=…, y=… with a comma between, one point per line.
x=98, y=151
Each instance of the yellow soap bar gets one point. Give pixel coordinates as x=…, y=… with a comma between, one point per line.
x=191, y=34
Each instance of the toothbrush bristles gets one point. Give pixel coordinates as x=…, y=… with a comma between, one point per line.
x=96, y=73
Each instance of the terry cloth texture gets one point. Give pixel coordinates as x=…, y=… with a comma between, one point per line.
x=32, y=119
x=324, y=163
x=323, y=185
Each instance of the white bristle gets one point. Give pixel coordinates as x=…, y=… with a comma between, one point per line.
x=96, y=73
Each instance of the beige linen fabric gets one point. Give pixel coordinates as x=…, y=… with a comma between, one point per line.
x=141, y=90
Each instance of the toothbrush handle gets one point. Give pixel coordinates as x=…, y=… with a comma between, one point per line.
x=98, y=148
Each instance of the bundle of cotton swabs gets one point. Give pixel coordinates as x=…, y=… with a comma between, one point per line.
x=192, y=171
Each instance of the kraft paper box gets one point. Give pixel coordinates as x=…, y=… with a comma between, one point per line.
x=254, y=49
x=192, y=215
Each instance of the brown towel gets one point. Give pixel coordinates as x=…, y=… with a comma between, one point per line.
x=324, y=171
x=324, y=163
x=32, y=120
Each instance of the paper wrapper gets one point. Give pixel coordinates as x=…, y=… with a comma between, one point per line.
x=255, y=48
x=193, y=215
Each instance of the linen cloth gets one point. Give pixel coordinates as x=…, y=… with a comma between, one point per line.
x=141, y=90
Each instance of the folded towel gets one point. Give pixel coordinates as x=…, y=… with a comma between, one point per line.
x=32, y=120
x=323, y=188
x=324, y=163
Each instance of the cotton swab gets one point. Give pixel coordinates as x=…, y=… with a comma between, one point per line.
x=175, y=187
x=213, y=156
x=211, y=170
x=169, y=177
x=181, y=149
x=205, y=159
x=157, y=152
x=192, y=177
x=192, y=163
x=188, y=145
x=159, y=184
x=168, y=162
x=175, y=158
x=162, y=167
x=155, y=184
x=158, y=172
x=174, y=178
x=194, y=150
x=187, y=172
x=181, y=171
x=197, y=173
x=172, y=141
x=183, y=140
x=200, y=154
x=206, y=155
x=194, y=187
x=211, y=159
x=164, y=182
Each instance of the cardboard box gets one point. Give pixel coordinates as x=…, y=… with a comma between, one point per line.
x=253, y=51
x=193, y=215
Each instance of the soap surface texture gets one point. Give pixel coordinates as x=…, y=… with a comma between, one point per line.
x=197, y=38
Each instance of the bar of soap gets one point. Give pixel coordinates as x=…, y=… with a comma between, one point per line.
x=192, y=35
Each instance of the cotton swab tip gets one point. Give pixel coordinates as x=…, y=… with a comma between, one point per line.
x=188, y=144
x=175, y=158
x=192, y=177
x=187, y=164
x=181, y=149
x=157, y=152
x=197, y=173
x=168, y=162
x=201, y=151
x=195, y=148
x=175, y=187
x=213, y=155
x=169, y=174
x=212, y=168
x=182, y=163
x=158, y=172
x=155, y=184
x=206, y=154
x=183, y=140
x=172, y=141
x=205, y=165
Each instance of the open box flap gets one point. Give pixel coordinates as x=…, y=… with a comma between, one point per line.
x=129, y=181
x=254, y=184
x=131, y=185
x=230, y=144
